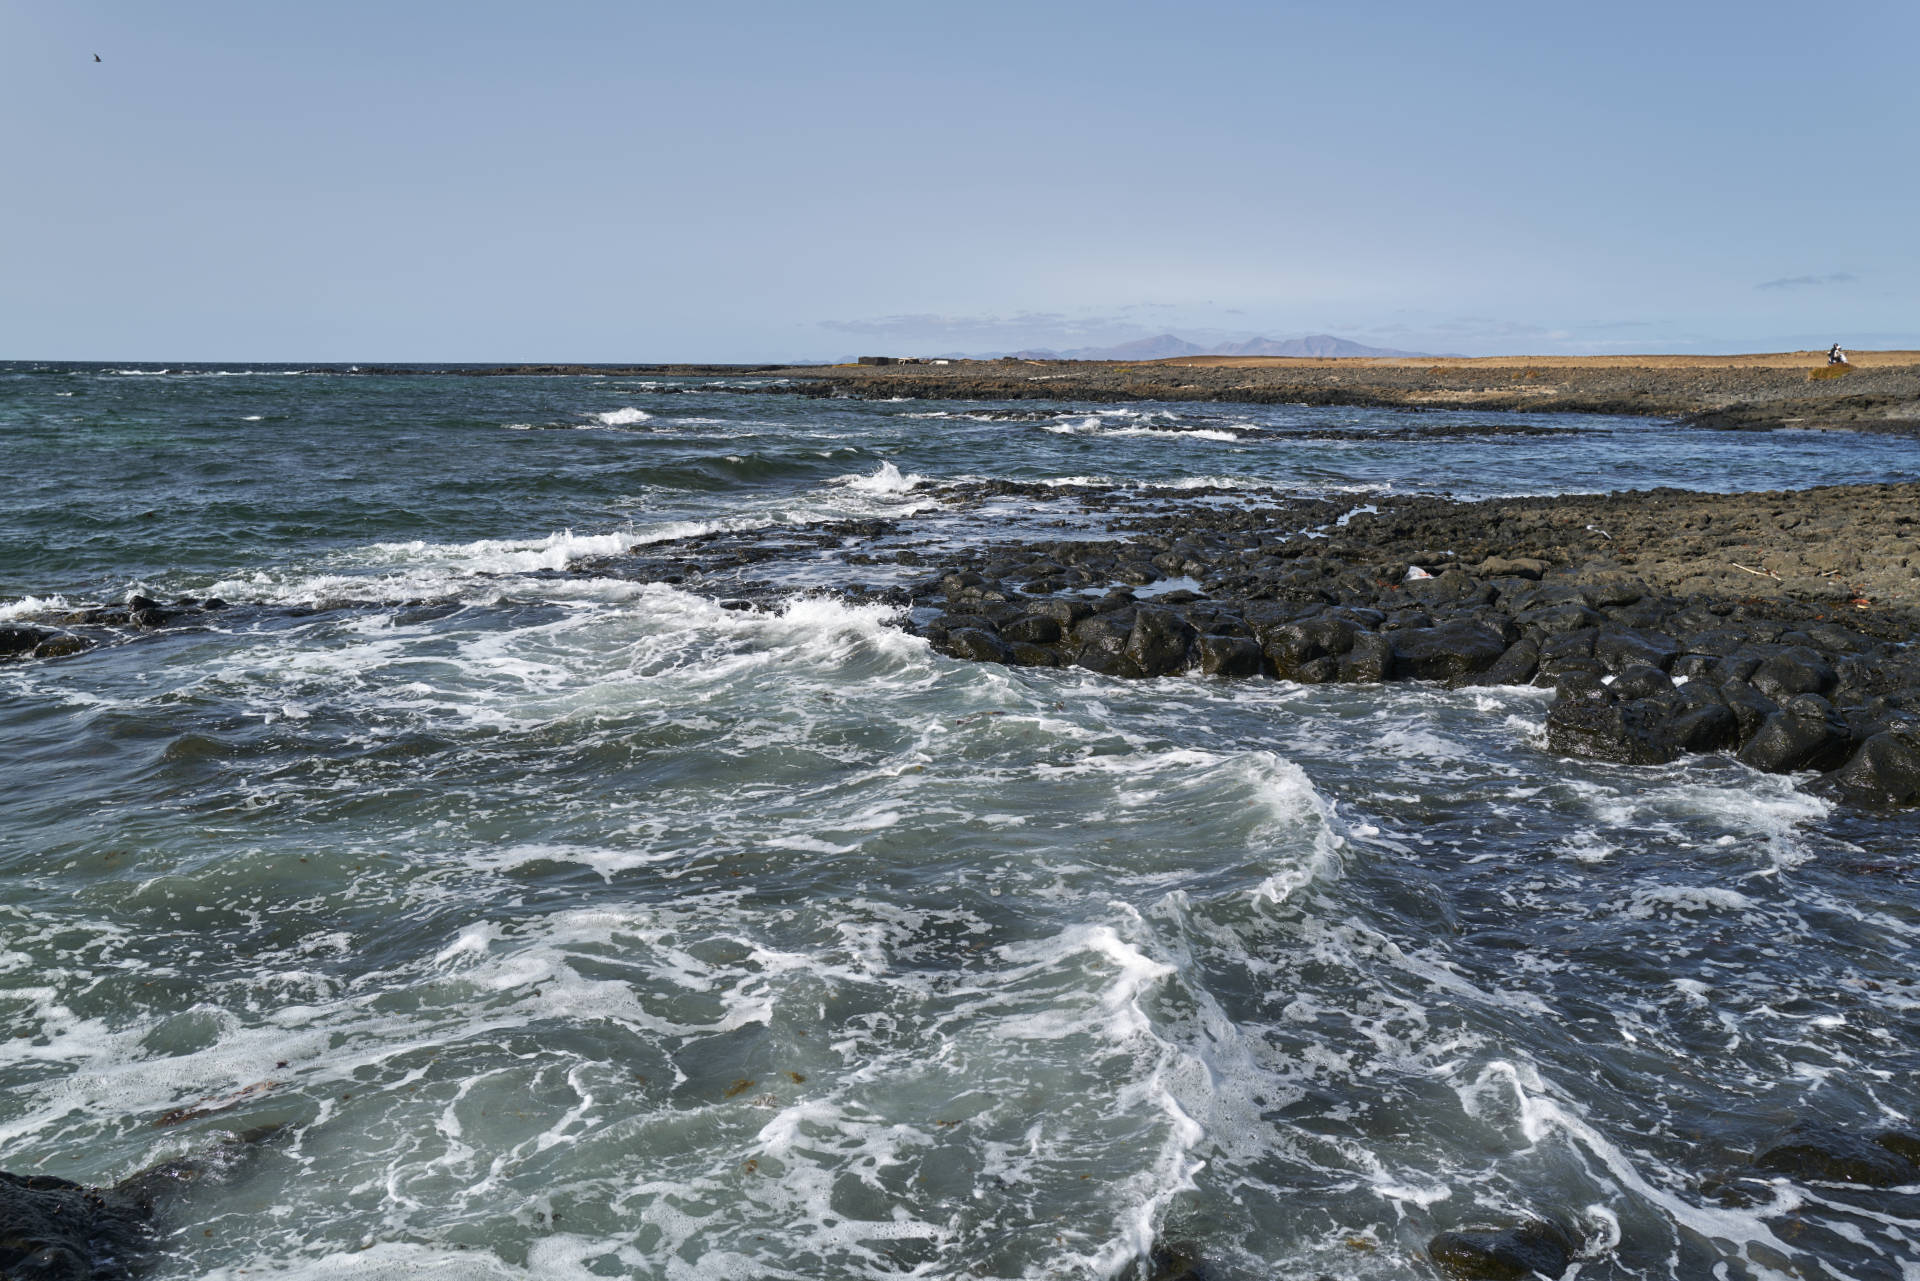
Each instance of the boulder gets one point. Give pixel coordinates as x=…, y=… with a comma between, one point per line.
x=1749, y=706
x=947, y=624
x=1623, y=647
x=1037, y=629
x=1637, y=733
x=1800, y=671
x=1028, y=654
x=1449, y=652
x=1553, y=620
x=1515, y=667
x=1229, y=656
x=1065, y=610
x=1511, y=567
x=1692, y=667
x=15, y=640
x=1368, y=660
x=1159, y=641
x=1538, y=1249
x=1884, y=770
x=1806, y=734
x=1291, y=645
x=1105, y=633
x=1710, y=727
x=60, y=645
x=975, y=643
x=1638, y=680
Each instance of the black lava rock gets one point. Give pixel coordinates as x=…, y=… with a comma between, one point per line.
x=1885, y=770
x=1229, y=656
x=1449, y=652
x=1637, y=733
x=977, y=644
x=1807, y=735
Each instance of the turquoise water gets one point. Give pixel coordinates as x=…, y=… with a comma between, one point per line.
x=577, y=926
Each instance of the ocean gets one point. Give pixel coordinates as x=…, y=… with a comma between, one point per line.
x=575, y=926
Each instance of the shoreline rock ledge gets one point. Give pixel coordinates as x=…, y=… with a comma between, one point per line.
x=1774, y=626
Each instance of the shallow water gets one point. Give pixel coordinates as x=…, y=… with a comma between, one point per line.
x=580, y=927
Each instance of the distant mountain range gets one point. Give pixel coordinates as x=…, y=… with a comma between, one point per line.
x=1168, y=346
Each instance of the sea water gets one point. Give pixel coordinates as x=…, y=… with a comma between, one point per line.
x=572, y=926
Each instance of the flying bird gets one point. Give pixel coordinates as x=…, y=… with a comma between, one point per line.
x=96, y=57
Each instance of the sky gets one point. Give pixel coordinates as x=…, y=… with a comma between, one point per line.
x=589, y=181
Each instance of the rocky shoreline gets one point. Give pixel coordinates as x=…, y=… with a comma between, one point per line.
x=1775, y=626
x=1880, y=394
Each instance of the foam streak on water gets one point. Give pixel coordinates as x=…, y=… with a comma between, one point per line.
x=580, y=927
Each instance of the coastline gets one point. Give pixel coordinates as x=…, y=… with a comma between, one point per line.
x=1880, y=392
x=1775, y=626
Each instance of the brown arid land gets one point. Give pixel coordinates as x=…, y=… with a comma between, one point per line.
x=1878, y=392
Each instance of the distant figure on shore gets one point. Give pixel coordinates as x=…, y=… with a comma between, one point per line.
x=1835, y=356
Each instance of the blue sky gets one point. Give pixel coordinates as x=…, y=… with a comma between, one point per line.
x=748, y=181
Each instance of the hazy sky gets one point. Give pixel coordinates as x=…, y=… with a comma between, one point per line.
x=745, y=181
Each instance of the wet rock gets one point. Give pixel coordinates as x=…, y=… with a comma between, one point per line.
x=1636, y=733
x=1806, y=734
x=1827, y=1155
x=1621, y=648
x=1557, y=648
x=1515, y=667
x=1504, y=1254
x=947, y=624
x=1638, y=681
x=1290, y=646
x=1028, y=654
x=1802, y=672
x=975, y=643
x=1368, y=660
x=1065, y=610
x=1749, y=706
x=1036, y=629
x=1159, y=641
x=1577, y=683
x=1903, y=1143
x=1885, y=769
x=1172, y=1261
x=16, y=641
x=1692, y=667
x=1555, y=620
x=1229, y=656
x=1103, y=634
x=61, y=1231
x=61, y=645
x=1710, y=727
x=1455, y=586
x=1449, y=652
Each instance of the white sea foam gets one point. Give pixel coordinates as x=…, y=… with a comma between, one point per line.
x=1667, y=900
x=31, y=606
x=1515, y=1092
x=626, y=417
x=887, y=480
